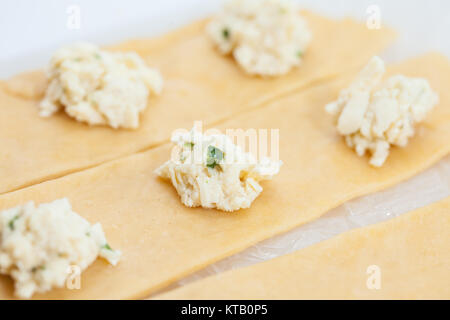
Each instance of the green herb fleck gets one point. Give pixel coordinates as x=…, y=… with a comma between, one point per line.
x=88, y=234
x=77, y=59
x=38, y=268
x=12, y=221
x=226, y=33
x=107, y=247
x=97, y=56
x=213, y=157
x=189, y=145
x=299, y=53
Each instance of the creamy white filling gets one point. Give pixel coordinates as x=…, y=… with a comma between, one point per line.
x=38, y=245
x=266, y=37
x=99, y=87
x=212, y=172
x=373, y=114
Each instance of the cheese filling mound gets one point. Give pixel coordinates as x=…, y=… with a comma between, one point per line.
x=99, y=87
x=39, y=245
x=212, y=172
x=266, y=37
x=373, y=114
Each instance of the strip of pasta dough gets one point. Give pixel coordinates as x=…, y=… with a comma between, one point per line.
x=200, y=83
x=407, y=257
x=163, y=241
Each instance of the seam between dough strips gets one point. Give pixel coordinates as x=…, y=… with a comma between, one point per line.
x=260, y=105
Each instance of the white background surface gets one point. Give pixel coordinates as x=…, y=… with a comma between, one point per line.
x=31, y=29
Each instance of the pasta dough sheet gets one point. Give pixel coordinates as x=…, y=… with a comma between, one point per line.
x=411, y=252
x=200, y=83
x=163, y=241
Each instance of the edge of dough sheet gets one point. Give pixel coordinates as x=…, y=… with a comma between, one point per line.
x=189, y=95
x=305, y=275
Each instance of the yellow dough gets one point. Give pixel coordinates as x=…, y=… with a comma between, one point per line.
x=200, y=84
x=163, y=241
x=410, y=253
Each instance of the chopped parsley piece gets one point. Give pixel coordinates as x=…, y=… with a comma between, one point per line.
x=299, y=53
x=39, y=268
x=189, y=145
x=213, y=157
x=97, y=56
x=107, y=247
x=226, y=33
x=12, y=221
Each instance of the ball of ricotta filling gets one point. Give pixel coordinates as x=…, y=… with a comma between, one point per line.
x=265, y=37
x=41, y=245
x=99, y=87
x=210, y=171
x=374, y=114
